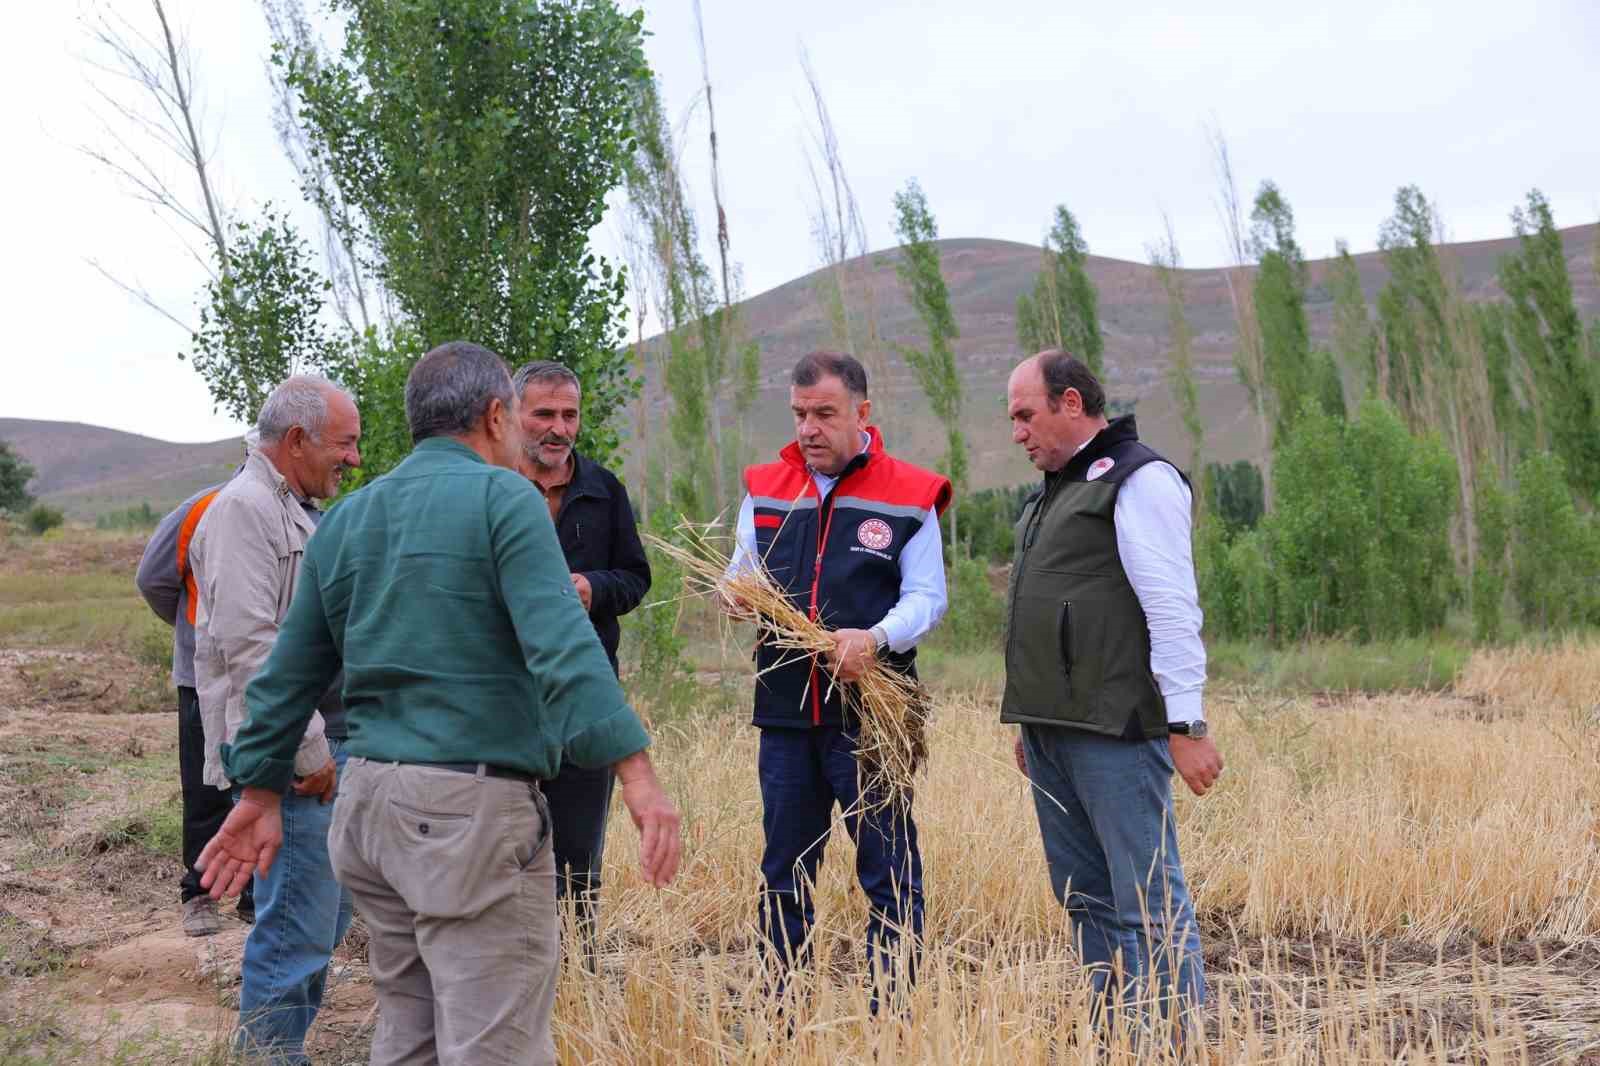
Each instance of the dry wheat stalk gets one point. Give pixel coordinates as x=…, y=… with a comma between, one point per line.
x=892, y=708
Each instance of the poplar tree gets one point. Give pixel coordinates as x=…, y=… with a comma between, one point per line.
x=1548, y=334
x=474, y=143
x=1180, y=337
x=1279, y=292
x=935, y=366
x=1064, y=308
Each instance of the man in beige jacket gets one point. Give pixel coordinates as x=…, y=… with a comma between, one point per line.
x=246, y=556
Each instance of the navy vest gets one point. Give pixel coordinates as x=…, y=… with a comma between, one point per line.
x=838, y=559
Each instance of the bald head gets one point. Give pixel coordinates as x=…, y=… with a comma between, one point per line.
x=1055, y=405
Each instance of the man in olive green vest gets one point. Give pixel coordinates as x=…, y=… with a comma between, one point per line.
x=1104, y=673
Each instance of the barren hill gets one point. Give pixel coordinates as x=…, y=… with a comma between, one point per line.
x=90, y=470
x=985, y=278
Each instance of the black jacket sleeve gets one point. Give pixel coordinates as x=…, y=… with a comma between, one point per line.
x=620, y=587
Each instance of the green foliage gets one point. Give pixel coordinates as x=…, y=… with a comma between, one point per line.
x=1359, y=542
x=1180, y=335
x=474, y=142
x=131, y=518
x=378, y=378
x=262, y=319
x=1290, y=377
x=1491, y=513
x=1412, y=306
x=1556, y=557
x=14, y=477
x=1355, y=341
x=1548, y=334
x=935, y=366
x=41, y=518
x=1235, y=493
x=976, y=616
x=989, y=520
x=1064, y=308
x=654, y=625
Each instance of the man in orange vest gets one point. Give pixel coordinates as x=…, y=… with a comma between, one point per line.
x=167, y=585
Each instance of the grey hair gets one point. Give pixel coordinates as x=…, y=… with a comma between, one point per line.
x=450, y=388
x=544, y=370
x=301, y=400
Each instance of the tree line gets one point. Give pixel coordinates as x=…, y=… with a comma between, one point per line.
x=1433, y=453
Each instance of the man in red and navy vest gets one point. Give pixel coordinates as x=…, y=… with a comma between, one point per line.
x=851, y=534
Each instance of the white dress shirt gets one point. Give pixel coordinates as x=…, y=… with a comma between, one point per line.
x=923, y=597
x=1154, y=539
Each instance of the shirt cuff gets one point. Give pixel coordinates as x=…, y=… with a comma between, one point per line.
x=1185, y=706
x=272, y=774
x=896, y=630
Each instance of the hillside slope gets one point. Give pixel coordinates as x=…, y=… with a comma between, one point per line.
x=985, y=278
x=89, y=470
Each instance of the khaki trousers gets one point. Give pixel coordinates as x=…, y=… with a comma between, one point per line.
x=453, y=874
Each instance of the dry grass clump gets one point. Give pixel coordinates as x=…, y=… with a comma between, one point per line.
x=892, y=708
x=1565, y=675
x=1380, y=880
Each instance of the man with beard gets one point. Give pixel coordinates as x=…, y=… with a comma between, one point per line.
x=246, y=556
x=600, y=540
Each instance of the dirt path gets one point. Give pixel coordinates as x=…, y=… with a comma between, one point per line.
x=93, y=960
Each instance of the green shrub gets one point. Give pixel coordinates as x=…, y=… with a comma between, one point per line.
x=41, y=518
x=131, y=518
x=976, y=618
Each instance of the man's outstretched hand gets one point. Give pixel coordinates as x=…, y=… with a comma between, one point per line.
x=246, y=844
x=655, y=816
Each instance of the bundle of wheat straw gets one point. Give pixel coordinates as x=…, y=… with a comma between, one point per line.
x=891, y=707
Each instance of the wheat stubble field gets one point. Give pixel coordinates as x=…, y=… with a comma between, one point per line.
x=1394, y=878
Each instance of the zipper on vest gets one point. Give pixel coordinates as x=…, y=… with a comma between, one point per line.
x=1064, y=634
x=824, y=524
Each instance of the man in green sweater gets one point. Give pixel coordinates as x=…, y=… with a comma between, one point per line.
x=470, y=670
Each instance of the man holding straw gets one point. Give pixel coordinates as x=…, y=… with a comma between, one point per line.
x=1104, y=674
x=848, y=535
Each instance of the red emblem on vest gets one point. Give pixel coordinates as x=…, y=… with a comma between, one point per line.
x=874, y=533
x=1099, y=467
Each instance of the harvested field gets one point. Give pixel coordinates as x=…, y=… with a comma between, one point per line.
x=1381, y=878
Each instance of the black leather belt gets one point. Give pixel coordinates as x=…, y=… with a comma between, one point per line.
x=488, y=770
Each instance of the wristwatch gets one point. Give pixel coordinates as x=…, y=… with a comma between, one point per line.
x=1195, y=730
x=879, y=638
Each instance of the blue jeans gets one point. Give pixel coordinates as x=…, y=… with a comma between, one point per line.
x=1111, y=842
x=803, y=772
x=301, y=915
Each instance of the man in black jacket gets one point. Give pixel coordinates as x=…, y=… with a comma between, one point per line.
x=600, y=539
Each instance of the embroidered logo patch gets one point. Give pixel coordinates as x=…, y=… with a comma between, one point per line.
x=1099, y=467
x=874, y=533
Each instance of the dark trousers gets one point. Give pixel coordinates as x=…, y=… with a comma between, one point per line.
x=579, y=802
x=804, y=772
x=204, y=807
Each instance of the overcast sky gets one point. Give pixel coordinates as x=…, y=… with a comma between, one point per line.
x=1001, y=110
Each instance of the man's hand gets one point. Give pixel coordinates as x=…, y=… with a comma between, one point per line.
x=853, y=650
x=1197, y=761
x=1022, y=759
x=585, y=592
x=321, y=784
x=246, y=844
x=660, y=843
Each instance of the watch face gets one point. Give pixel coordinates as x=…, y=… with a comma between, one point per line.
x=1197, y=729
